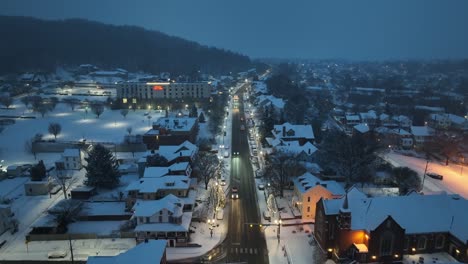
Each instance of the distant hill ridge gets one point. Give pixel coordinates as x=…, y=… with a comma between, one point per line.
x=35, y=44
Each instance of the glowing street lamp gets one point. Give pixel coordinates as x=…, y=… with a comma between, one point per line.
x=278, y=222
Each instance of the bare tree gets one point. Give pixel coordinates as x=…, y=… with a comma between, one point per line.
x=124, y=112
x=72, y=102
x=350, y=157
x=129, y=130
x=65, y=181
x=42, y=109
x=281, y=168
x=65, y=212
x=6, y=101
x=55, y=129
x=51, y=103
x=26, y=100
x=29, y=148
x=206, y=166
x=97, y=109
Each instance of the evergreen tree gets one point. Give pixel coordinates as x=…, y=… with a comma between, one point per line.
x=38, y=171
x=101, y=170
x=193, y=111
x=201, y=118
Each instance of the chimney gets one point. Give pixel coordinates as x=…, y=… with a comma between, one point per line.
x=284, y=131
x=309, y=151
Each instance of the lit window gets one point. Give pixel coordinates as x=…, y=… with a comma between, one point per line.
x=124, y=100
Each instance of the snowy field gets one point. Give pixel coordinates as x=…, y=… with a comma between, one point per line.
x=455, y=176
x=111, y=126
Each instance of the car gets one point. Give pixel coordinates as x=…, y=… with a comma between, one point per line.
x=226, y=154
x=435, y=176
x=234, y=193
x=57, y=254
x=261, y=187
x=242, y=127
x=235, y=153
x=222, y=182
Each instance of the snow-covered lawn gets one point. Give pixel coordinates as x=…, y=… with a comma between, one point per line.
x=455, y=176
x=111, y=126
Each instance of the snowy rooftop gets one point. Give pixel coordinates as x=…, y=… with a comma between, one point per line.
x=186, y=149
x=293, y=131
x=153, y=185
x=422, y=131
x=307, y=181
x=362, y=128
x=157, y=172
x=353, y=118
x=147, y=208
x=176, y=124
x=259, y=87
x=275, y=101
x=368, y=115
x=453, y=118
x=415, y=213
x=294, y=147
x=145, y=253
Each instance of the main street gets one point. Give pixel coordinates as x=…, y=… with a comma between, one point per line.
x=243, y=243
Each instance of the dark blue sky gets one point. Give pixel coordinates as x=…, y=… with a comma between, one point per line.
x=351, y=29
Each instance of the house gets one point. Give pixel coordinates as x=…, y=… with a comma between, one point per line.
x=171, y=131
x=369, y=118
x=383, y=229
x=422, y=134
x=308, y=190
x=305, y=152
x=180, y=168
x=289, y=132
x=352, y=120
x=157, y=188
x=162, y=219
x=394, y=137
x=149, y=252
x=403, y=121
x=72, y=159
x=361, y=128
x=446, y=121
x=185, y=152
x=5, y=218
x=271, y=101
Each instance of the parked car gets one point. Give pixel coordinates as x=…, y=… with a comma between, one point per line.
x=222, y=181
x=57, y=254
x=261, y=187
x=435, y=176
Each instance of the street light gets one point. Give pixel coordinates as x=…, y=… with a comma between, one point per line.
x=211, y=223
x=278, y=222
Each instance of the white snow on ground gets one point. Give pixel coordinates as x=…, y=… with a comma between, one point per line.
x=454, y=175
x=109, y=127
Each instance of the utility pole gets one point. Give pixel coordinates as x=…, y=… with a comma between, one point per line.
x=424, y=176
x=71, y=249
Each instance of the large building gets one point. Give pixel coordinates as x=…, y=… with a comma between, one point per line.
x=383, y=229
x=132, y=92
